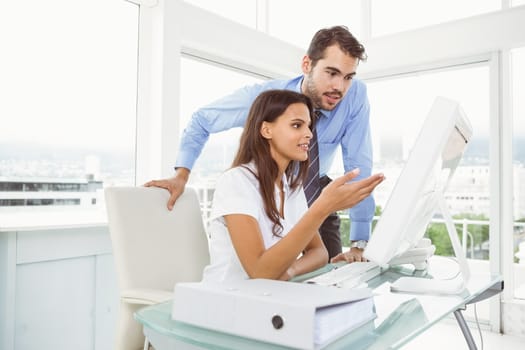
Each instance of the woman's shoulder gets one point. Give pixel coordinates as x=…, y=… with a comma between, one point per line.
x=240, y=174
x=236, y=191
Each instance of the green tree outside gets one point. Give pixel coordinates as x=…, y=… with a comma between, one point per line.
x=344, y=229
x=437, y=232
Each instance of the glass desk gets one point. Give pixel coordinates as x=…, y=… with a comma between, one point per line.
x=400, y=317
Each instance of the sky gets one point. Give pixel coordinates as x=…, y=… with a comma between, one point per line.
x=65, y=85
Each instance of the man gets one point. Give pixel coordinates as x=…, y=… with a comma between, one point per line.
x=328, y=69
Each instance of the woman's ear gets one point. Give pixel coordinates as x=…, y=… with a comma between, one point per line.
x=266, y=130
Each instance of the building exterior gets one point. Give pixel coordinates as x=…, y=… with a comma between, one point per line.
x=17, y=192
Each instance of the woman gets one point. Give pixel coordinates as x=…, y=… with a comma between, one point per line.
x=260, y=224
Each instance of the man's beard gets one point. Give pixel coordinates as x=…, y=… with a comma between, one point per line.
x=311, y=91
x=314, y=94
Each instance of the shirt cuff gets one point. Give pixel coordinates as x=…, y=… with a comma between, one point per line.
x=185, y=160
x=360, y=230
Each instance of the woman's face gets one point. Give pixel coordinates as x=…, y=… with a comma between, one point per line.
x=289, y=135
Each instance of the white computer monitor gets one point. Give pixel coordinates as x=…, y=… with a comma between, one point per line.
x=419, y=193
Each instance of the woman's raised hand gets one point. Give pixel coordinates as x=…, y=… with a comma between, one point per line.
x=341, y=194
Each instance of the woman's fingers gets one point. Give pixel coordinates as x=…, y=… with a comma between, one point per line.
x=359, y=190
x=346, y=177
x=342, y=193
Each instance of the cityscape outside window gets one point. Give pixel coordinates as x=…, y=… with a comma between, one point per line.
x=69, y=96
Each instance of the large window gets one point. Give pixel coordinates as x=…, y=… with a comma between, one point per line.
x=202, y=83
x=398, y=108
x=395, y=16
x=518, y=111
x=68, y=87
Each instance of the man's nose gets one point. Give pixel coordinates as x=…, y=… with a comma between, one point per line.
x=338, y=83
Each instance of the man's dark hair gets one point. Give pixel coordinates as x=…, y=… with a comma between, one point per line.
x=339, y=35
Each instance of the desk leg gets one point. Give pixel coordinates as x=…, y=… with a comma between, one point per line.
x=466, y=331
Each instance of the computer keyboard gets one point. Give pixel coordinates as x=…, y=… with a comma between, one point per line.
x=348, y=275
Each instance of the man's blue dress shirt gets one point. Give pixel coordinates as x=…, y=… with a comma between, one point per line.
x=347, y=125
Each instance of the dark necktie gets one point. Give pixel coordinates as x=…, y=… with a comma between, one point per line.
x=312, y=186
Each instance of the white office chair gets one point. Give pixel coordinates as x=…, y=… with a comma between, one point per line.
x=153, y=248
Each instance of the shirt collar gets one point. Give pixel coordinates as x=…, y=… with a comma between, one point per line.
x=286, y=186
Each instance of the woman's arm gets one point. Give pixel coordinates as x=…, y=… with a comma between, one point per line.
x=273, y=263
x=315, y=256
x=257, y=261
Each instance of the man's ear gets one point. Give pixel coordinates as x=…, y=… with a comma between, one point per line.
x=306, y=64
x=266, y=130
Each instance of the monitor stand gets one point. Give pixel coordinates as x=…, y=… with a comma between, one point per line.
x=435, y=286
x=417, y=256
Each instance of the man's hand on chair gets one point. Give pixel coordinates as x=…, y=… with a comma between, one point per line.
x=175, y=185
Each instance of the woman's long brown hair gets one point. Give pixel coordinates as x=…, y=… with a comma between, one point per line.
x=253, y=147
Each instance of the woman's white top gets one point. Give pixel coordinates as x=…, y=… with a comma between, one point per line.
x=237, y=192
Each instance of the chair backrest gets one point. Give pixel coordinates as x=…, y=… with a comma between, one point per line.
x=154, y=247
